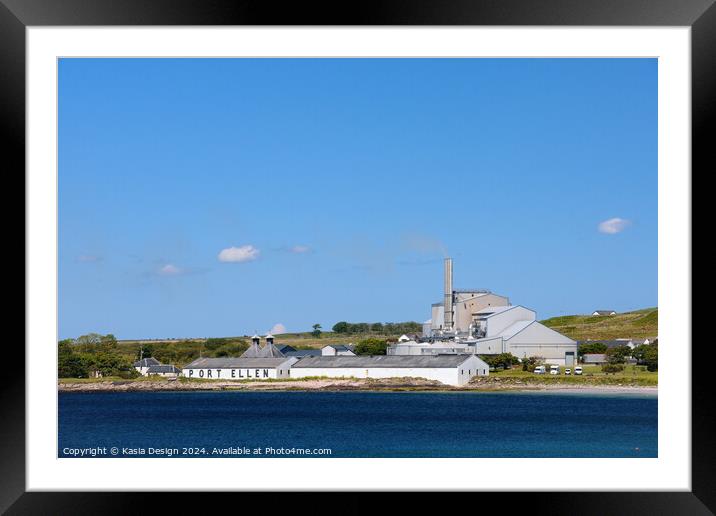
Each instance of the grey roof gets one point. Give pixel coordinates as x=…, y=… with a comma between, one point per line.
x=363, y=361
x=270, y=351
x=254, y=351
x=341, y=347
x=234, y=362
x=147, y=362
x=303, y=353
x=608, y=343
x=163, y=369
x=593, y=358
x=283, y=348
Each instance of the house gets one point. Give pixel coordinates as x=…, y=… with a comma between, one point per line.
x=163, y=370
x=594, y=358
x=145, y=363
x=332, y=350
x=604, y=312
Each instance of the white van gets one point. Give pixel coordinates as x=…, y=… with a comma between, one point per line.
x=539, y=370
x=578, y=370
x=554, y=369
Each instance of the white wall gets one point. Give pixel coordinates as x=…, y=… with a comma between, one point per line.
x=539, y=341
x=457, y=376
x=241, y=373
x=490, y=346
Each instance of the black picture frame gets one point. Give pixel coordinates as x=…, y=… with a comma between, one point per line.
x=700, y=15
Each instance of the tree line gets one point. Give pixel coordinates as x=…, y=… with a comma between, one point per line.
x=378, y=328
x=92, y=355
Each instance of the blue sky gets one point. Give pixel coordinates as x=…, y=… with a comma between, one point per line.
x=216, y=197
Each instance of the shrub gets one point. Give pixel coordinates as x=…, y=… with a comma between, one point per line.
x=371, y=347
x=612, y=368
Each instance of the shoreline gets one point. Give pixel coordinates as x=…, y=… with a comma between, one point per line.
x=353, y=385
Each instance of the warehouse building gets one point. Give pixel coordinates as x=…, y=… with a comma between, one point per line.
x=448, y=369
x=239, y=368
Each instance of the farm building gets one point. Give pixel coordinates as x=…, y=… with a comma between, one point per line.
x=448, y=369
x=604, y=312
x=239, y=368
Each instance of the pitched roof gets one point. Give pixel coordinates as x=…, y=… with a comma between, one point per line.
x=147, y=362
x=612, y=343
x=270, y=351
x=514, y=329
x=163, y=369
x=341, y=347
x=235, y=363
x=283, y=348
x=254, y=351
x=395, y=361
x=604, y=312
x=303, y=353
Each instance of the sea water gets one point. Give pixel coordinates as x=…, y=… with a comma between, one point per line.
x=356, y=424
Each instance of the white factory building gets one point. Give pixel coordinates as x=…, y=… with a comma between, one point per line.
x=454, y=370
x=480, y=322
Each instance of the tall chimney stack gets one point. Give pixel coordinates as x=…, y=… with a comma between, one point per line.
x=447, y=305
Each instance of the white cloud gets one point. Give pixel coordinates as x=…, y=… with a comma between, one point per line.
x=613, y=226
x=298, y=249
x=170, y=270
x=278, y=328
x=245, y=253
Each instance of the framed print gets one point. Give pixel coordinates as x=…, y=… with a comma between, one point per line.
x=421, y=248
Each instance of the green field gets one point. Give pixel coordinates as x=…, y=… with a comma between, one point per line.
x=637, y=324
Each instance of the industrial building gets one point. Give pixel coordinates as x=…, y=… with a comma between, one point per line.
x=333, y=361
x=454, y=370
x=481, y=322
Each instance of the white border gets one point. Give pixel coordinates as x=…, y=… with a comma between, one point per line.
x=671, y=471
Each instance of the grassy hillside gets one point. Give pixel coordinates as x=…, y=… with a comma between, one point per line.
x=636, y=324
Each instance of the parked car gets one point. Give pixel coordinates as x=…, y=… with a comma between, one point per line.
x=578, y=370
x=539, y=370
x=567, y=371
x=554, y=369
